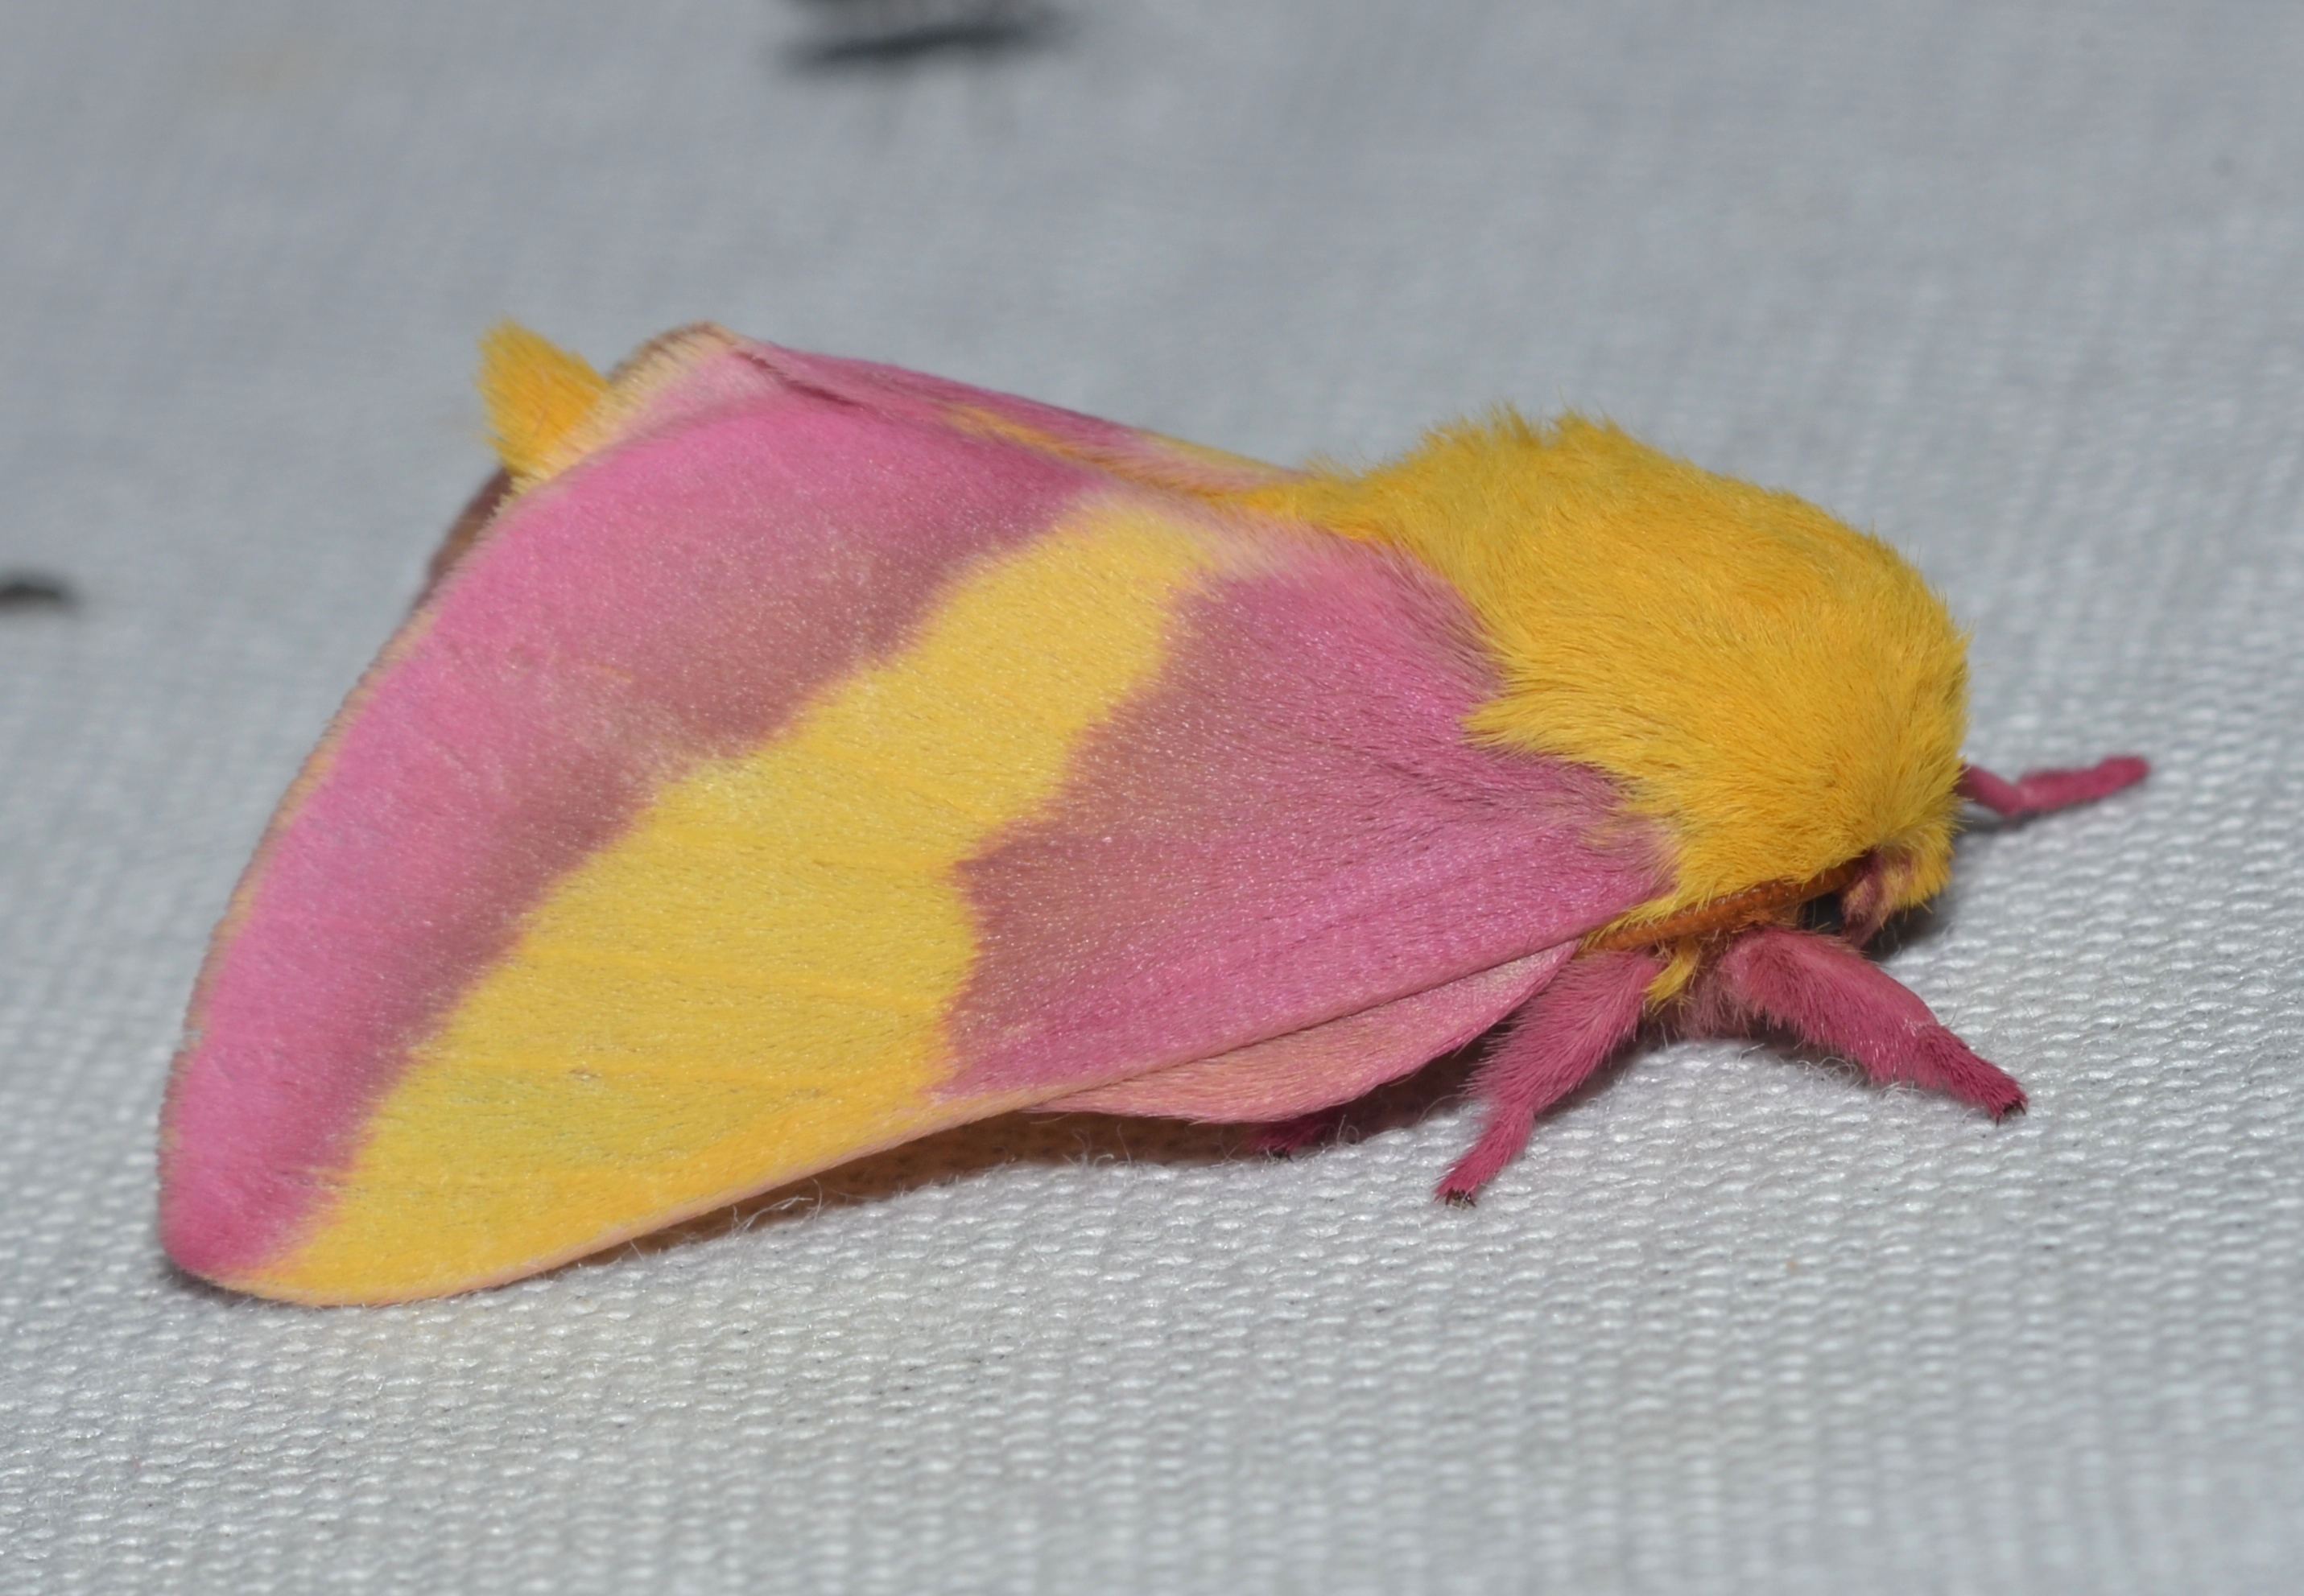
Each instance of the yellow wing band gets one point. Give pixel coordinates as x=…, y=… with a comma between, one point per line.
x=750, y=985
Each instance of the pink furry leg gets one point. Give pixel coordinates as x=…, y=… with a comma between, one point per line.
x=1832, y=996
x=2037, y=792
x=1563, y=1035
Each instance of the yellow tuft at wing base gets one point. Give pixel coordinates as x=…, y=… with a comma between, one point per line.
x=536, y=394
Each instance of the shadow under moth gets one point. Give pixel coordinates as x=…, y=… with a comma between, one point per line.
x=793, y=756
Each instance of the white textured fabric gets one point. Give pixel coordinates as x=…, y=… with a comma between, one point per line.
x=2020, y=285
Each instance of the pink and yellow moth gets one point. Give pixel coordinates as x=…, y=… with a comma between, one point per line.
x=792, y=756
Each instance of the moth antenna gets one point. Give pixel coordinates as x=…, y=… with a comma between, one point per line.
x=1866, y=903
x=2036, y=792
x=1564, y=1032
x=1831, y=995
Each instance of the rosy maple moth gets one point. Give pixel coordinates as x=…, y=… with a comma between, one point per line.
x=792, y=757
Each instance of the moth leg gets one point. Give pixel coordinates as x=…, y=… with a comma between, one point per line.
x=1565, y=1034
x=1831, y=995
x=2036, y=792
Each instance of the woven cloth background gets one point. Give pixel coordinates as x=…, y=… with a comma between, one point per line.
x=2021, y=285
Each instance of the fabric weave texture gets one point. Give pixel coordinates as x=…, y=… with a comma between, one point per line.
x=2020, y=287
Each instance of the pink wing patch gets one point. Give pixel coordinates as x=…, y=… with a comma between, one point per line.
x=1290, y=827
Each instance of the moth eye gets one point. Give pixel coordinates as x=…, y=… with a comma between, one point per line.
x=1822, y=914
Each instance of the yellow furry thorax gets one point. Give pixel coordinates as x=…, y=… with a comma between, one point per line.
x=1782, y=693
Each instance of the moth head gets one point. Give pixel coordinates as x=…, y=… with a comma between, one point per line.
x=1853, y=899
